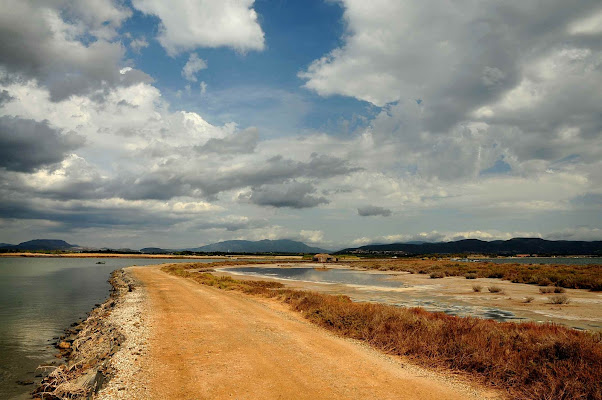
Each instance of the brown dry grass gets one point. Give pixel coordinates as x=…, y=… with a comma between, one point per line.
x=568, y=276
x=529, y=360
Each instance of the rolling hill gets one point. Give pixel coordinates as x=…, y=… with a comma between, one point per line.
x=502, y=247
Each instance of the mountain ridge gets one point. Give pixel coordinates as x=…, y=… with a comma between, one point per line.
x=501, y=247
x=259, y=246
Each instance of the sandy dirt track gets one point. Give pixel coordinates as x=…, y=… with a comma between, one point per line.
x=211, y=344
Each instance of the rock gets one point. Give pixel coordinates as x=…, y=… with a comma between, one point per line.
x=64, y=345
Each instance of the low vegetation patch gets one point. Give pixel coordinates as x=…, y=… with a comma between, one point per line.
x=566, y=276
x=477, y=288
x=559, y=299
x=530, y=360
x=529, y=299
x=495, y=289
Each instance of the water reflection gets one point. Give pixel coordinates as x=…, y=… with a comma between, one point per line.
x=345, y=276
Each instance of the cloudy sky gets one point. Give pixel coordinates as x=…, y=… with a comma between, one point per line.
x=145, y=122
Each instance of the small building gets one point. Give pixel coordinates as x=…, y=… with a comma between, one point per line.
x=324, y=258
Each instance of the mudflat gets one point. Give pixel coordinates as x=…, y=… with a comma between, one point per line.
x=207, y=343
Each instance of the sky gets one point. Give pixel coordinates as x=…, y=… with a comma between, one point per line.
x=135, y=123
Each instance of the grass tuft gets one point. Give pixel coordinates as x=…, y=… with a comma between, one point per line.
x=495, y=289
x=559, y=299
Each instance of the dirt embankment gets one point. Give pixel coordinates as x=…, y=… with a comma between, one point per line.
x=93, y=349
x=207, y=343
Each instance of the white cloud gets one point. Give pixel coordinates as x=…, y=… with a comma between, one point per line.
x=449, y=236
x=186, y=25
x=138, y=44
x=203, y=87
x=312, y=236
x=192, y=67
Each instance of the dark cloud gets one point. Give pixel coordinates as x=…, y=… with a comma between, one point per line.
x=26, y=145
x=238, y=143
x=37, y=43
x=371, y=211
x=5, y=97
x=230, y=224
x=292, y=195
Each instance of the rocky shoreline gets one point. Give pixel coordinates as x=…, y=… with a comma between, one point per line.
x=102, y=352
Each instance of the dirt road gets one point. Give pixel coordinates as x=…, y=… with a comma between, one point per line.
x=212, y=344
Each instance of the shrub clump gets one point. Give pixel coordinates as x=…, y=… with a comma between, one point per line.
x=437, y=275
x=495, y=289
x=471, y=276
x=477, y=288
x=559, y=299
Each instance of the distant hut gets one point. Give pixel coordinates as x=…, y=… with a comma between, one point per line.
x=324, y=258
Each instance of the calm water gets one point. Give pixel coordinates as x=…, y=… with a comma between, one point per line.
x=39, y=298
x=344, y=276
x=546, y=260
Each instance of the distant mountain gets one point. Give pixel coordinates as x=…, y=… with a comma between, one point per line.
x=5, y=245
x=155, y=250
x=42, y=244
x=502, y=247
x=261, y=246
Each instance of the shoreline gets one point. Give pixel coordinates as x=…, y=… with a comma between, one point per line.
x=161, y=256
x=101, y=348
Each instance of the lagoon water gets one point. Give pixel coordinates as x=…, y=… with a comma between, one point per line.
x=343, y=276
x=39, y=298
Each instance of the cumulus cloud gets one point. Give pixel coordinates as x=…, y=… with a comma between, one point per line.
x=186, y=25
x=312, y=236
x=68, y=55
x=370, y=211
x=237, y=143
x=448, y=236
x=445, y=119
x=138, y=44
x=292, y=195
x=462, y=121
x=26, y=145
x=193, y=66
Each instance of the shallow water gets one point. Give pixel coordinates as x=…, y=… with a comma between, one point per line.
x=39, y=298
x=346, y=276
x=373, y=287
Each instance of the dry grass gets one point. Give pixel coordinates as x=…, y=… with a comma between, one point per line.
x=559, y=299
x=495, y=289
x=529, y=299
x=567, y=276
x=529, y=360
